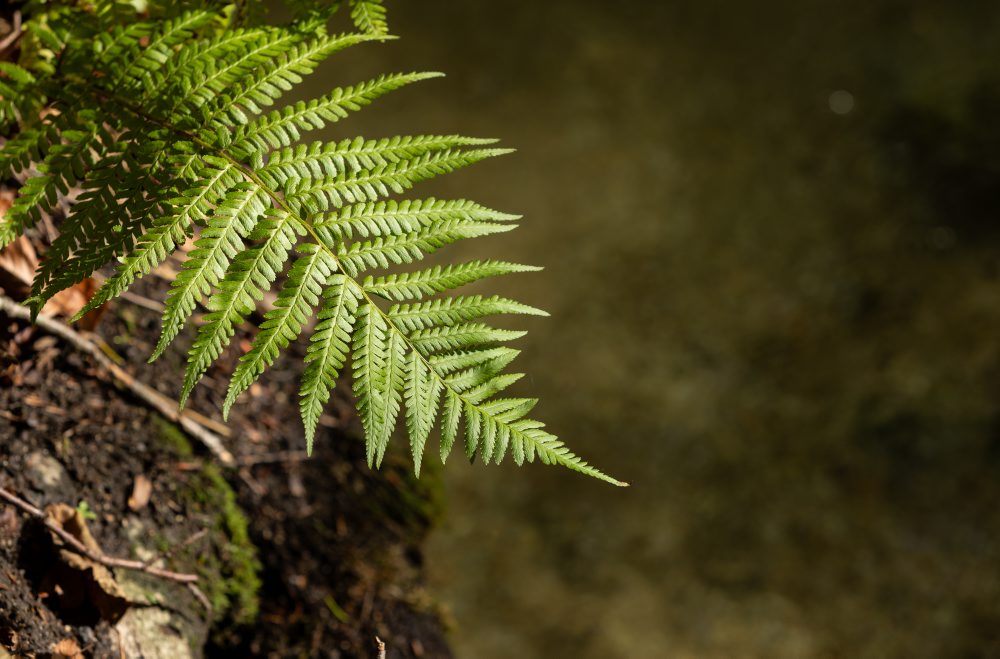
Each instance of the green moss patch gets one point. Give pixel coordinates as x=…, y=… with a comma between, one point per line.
x=227, y=563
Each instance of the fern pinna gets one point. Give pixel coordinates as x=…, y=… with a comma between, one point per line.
x=165, y=127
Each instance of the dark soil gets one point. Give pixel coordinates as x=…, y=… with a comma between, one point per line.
x=338, y=544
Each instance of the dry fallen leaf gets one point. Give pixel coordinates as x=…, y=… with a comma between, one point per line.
x=18, y=261
x=68, y=302
x=33, y=400
x=67, y=648
x=142, y=489
x=84, y=582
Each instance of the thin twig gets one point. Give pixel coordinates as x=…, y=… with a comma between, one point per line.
x=200, y=596
x=143, y=302
x=16, y=33
x=97, y=557
x=269, y=458
x=165, y=406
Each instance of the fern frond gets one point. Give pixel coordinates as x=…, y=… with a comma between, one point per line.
x=395, y=365
x=284, y=127
x=463, y=359
x=460, y=337
x=26, y=147
x=160, y=47
x=377, y=357
x=161, y=127
x=19, y=95
x=283, y=323
x=482, y=371
x=454, y=310
x=490, y=387
x=407, y=248
x=369, y=16
x=114, y=46
x=328, y=349
x=451, y=417
x=198, y=64
x=321, y=194
x=529, y=438
x=261, y=87
x=415, y=285
x=60, y=169
x=169, y=232
x=205, y=84
x=423, y=392
x=110, y=213
x=220, y=241
x=319, y=160
x=386, y=218
x=240, y=289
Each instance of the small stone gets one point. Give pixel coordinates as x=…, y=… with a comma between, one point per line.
x=45, y=473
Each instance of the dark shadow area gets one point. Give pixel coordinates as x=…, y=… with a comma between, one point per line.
x=953, y=161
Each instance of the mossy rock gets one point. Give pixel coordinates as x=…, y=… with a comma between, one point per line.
x=227, y=561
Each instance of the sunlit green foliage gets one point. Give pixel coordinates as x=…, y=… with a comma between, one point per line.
x=168, y=126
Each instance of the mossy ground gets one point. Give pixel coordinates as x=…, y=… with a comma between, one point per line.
x=230, y=570
x=309, y=557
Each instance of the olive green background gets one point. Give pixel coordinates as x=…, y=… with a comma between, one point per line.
x=772, y=249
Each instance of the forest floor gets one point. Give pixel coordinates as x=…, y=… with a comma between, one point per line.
x=297, y=556
x=300, y=557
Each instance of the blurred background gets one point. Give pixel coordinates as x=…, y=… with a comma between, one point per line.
x=771, y=234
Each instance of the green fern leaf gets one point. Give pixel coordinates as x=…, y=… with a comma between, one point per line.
x=481, y=371
x=473, y=428
x=319, y=160
x=26, y=147
x=369, y=16
x=60, y=170
x=283, y=324
x=220, y=241
x=458, y=360
x=415, y=285
x=395, y=364
x=261, y=88
x=197, y=67
x=241, y=287
x=160, y=47
x=423, y=392
x=459, y=337
x=410, y=247
x=386, y=218
x=114, y=46
x=378, y=361
x=453, y=310
x=284, y=127
x=206, y=84
x=102, y=226
x=322, y=194
x=492, y=386
x=328, y=348
x=531, y=439
x=161, y=130
x=168, y=233
x=451, y=418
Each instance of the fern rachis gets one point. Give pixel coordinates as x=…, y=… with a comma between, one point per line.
x=166, y=124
